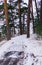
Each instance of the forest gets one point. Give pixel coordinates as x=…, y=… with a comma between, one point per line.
x=17, y=16
x=20, y=32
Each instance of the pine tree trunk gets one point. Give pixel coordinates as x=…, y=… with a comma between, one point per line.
x=20, y=23
x=28, y=20
x=23, y=22
x=7, y=22
x=41, y=14
x=36, y=9
x=0, y=37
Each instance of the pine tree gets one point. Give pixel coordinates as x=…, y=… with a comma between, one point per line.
x=36, y=9
x=7, y=22
x=12, y=16
x=41, y=14
x=20, y=23
x=28, y=20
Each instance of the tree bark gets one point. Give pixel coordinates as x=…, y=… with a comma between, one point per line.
x=23, y=22
x=20, y=23
x=7, y=22
x=0, y=37
x=41, y=14
x=36, y=9
x=28, y=19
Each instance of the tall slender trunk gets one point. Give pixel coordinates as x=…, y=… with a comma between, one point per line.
x=23, y=21
x=28, y=19
x=20, y=23
x=36, y=9
x=7, y=22
x=0, y=37
x=41, y=14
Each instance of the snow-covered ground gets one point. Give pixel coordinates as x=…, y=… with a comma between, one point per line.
x=32, y=49
x=31, y=46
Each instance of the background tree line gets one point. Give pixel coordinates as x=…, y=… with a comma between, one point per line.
x=18, y=15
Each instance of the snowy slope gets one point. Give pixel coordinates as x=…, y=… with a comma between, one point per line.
x=32, y=49
x=31, y=46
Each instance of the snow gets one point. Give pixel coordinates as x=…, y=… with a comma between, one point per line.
x=2, y=42
x=32, y=48
x=1, y=22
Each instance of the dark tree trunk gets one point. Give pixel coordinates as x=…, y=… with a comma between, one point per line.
x=23, y=22
x=41, y=14
x=36, y=9
x=0, y=37
x=7, y=22
x=28, y=19
x=20, y=23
